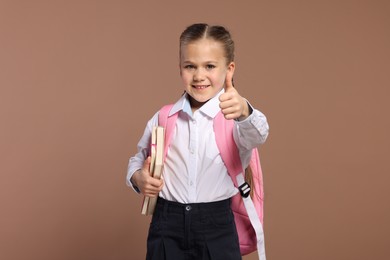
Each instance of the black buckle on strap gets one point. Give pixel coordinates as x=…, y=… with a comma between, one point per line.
x=244, y=189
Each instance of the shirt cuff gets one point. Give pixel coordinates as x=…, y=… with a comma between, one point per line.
x=255, y=120
x=132, y=185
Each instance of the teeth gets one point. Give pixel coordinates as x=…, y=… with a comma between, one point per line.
x=200, y=87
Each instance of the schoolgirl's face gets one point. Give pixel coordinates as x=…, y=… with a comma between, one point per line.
x=203, y=69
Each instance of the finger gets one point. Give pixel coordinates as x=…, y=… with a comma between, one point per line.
x=229, y=82
x=154, y=187
x=233, y=115
x=226, y=103
x=151, y=193
x=148, y=189
x=155, y=182
x=230, y=113
x=227, y=95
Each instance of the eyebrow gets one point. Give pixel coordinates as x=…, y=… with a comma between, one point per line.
x=206, y=62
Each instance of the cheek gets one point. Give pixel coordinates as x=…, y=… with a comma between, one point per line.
x=186, y=78
x=182, y=74
x=220, y=79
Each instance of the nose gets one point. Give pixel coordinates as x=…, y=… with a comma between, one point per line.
x=198, y=75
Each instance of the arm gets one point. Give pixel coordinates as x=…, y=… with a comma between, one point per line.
x=138, y=174
x=250, y=133
x=251, y=126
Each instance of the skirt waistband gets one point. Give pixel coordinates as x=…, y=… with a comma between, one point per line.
x=176, y=207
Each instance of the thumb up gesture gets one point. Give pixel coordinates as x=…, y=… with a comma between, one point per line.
x=232, y=105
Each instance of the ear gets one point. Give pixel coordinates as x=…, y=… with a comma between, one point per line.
x=230, y=69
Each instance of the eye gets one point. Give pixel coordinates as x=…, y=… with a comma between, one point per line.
x=210, y=66
x=189, y=67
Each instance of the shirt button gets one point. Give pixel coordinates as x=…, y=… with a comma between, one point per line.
x=188, y=207
x=191, y=183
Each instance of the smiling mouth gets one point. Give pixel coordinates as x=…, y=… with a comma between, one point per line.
x=200, y=86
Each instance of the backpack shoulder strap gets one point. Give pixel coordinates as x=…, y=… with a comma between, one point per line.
x=168, y=122
x=223, y=130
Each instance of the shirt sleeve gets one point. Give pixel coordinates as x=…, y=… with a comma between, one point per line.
x=250, y=133
x=136, y=162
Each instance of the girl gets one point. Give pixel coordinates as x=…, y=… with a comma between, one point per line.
x=193, y=218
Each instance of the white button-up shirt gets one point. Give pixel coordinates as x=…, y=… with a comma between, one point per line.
x=193, y=170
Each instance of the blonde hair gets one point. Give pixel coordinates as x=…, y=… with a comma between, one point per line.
x=218, y=33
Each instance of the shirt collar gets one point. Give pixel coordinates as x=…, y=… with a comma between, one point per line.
x=210, y=108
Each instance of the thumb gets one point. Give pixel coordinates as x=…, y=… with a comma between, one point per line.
x=229, y=82
x=146, y=166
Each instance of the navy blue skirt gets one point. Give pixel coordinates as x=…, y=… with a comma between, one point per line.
x=199, y=231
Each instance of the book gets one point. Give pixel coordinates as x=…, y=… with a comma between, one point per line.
x=156, y=165
x=151, y=169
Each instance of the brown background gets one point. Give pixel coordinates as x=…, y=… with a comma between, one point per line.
x=79, y=80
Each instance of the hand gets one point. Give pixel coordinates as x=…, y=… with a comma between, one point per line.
x=143, y=179
x=232, y=105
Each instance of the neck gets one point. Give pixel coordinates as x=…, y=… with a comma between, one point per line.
x=195, y=105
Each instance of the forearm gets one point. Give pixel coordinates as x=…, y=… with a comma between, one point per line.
x=252, y=131
x=135, y=165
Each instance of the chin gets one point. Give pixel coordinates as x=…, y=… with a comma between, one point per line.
x=199, y=99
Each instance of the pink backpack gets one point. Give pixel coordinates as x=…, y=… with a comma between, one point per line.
x=248, y=212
